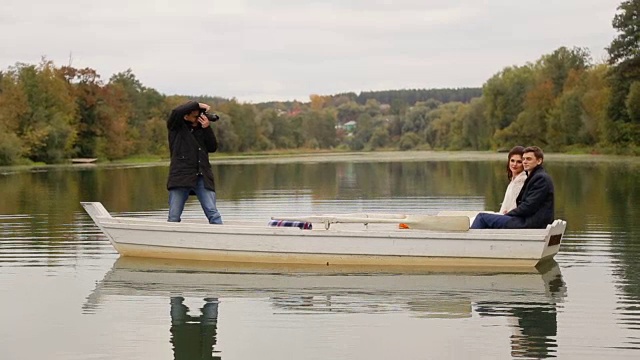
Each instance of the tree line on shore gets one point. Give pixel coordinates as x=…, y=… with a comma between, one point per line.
x=562, y=102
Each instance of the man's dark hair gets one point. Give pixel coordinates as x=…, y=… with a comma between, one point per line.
x=178, y=113
x=536, y=151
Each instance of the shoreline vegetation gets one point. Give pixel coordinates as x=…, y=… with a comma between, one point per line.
x=563, y=102
x=328, y=156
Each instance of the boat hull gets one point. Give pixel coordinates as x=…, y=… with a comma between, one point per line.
x=161, y=252
x=346, y=244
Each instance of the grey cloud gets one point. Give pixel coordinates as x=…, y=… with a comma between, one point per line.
x=257, y=51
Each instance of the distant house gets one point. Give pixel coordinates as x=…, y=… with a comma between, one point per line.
x=294, y=112
x=350, y=126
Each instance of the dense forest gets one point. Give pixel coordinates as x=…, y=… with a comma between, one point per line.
x=562, y=102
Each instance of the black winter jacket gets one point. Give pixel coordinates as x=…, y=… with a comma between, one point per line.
x=535, y=202
x=190, y=147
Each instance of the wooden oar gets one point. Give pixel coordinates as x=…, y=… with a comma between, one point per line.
x=438, y=223
x=468, y=213
x=422, y=222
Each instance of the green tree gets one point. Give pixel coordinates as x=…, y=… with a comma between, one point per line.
x=626, y=46
x=364, y=131
x=47, y=129
x=113, y=130
x=10, y=147
x=372, y=107
x=442, y=121
x=319, y=129
x=87, y=88
x=349, y=111
x=521, y=132
x=281, y=132
x=399, y=106
x=243, y=119
x=633, y=102
x=558, y=65
x=13, y=104
x=228, y=140
x=409, y=141
x=475, y=126
x=379, y=138
x=595, y=102
x=144, y=104
x=565, y=121
x=416, y=119
x=624, y=54
x=504, y=95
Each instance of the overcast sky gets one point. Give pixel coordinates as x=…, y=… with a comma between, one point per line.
x=288, y=49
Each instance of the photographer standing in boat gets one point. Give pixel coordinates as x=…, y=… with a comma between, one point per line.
x=534, y=203
x=191, y=139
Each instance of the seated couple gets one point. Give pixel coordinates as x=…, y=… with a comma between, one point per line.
x=529, y=200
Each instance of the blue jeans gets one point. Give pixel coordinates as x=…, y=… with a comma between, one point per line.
x=178, y=197
x=490, y=221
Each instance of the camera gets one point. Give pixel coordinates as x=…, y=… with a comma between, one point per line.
x=211, y=117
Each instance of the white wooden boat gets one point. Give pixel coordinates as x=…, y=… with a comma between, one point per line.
x=353, y=239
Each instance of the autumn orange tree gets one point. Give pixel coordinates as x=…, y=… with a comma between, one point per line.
x=87, y=88
x=38, y=108
x=559, y=104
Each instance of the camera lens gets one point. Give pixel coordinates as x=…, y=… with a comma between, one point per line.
x=212, y=117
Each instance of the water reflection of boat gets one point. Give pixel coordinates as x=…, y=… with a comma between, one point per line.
x=527, y=300
x=448, y=294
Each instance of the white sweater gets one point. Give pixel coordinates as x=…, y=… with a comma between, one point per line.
x=513, y=190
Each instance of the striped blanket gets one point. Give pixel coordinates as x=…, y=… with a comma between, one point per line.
x=290, y=223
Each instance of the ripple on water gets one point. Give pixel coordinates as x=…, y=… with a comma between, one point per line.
x=37, y=240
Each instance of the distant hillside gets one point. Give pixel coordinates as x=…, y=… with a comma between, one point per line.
x=411, y=96
x=406, y=96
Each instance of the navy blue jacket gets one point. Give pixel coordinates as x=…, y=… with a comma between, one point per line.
x=190, y=147
x=535, y=202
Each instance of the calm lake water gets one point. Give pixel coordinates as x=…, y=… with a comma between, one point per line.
x=65, y=294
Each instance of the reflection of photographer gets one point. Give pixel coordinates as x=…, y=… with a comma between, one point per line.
x=193, y=337
x=191, y=139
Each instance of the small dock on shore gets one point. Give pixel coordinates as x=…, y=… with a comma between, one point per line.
x=83, y=160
